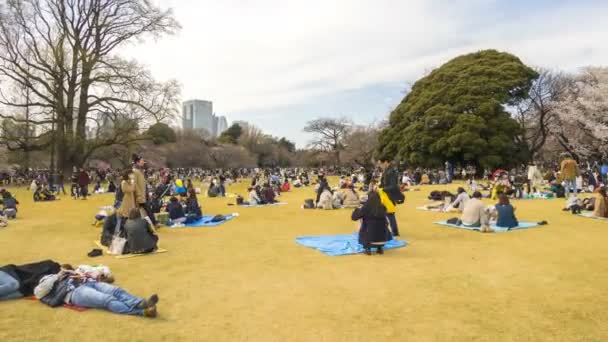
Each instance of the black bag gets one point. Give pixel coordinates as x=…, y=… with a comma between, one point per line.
x=239, y=200
x=309, y=204
x=454, y=220
x=218, y=218
x=398, y=197
x=57, y=295
x=435, y=196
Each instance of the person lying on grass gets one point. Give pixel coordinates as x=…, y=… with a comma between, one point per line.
x=17, y=281
x=87, y=290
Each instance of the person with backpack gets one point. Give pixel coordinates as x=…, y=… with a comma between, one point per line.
x=390, y=185
x=374, y=231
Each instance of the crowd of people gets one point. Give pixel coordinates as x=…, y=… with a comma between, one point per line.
x=143, y=196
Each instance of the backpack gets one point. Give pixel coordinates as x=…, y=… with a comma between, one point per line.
x=309, y=204
x=435, y=196
x=218, y=218
x=57, y=295
x=239, y=200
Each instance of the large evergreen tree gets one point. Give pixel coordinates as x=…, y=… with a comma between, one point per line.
x=459, y=113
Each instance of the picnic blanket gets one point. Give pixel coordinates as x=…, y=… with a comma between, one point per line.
x=522, y=225
x=205, y=221
x=436, y=210
x=335, y=245
x=589, y=214
x=127, y=256
x=67, y=306
x=260, y=205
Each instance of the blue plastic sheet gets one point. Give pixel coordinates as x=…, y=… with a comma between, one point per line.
x=260, y=205
x=205, y=221
x=335, y=245
x=522, y=225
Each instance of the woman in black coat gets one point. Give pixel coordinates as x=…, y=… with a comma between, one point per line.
x=374, y=230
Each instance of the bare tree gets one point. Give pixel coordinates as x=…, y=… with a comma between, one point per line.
x=329, y=134
x=64, y=54
x=537, y=114
x=360, y=146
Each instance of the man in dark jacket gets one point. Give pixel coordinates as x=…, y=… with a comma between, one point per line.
x=83, y=183
x=20, y=281
x=390, y=185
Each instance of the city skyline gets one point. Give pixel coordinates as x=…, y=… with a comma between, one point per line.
x=198, y=114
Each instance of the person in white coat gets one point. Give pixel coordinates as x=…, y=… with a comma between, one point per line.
x=535, y=178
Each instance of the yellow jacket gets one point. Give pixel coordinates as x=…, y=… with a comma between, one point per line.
x=386, y=202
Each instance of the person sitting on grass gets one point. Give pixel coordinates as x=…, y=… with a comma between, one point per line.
x=176, y=211
x=268, y=194
x=337, y=199
x=374, y=231
x=325, y=198
x=10, y=205
x=111, y=187
x=351, y=198
x=43, y=194
x=461, y=199
x=285, y=187
x=141, y=236
x=86, y=291
x=474, y=213
x=254, y=198
x=213, y=190
x=506, y=213
x=193, y=209
x=601, y=205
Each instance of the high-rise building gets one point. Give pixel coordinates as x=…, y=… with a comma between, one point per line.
x=222, y=125
x=198, y=115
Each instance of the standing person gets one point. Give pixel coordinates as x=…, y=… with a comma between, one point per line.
x=83, y=183
x=390, y=185
x=535, y=178
x=58, y=179
x=569, y=173
x=141, y=193
x=74, y=187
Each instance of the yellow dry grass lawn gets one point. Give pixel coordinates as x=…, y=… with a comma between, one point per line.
x=247, y=280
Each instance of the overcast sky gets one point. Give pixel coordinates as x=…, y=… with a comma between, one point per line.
x=280, y=63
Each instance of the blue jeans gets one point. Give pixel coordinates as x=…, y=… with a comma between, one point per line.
x=570, y=184
x=9, y=287
x=105, y=296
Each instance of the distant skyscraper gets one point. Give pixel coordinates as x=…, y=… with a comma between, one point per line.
x=222, y=125
x=198, y=114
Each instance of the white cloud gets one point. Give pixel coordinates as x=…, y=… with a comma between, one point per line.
x=247, y=55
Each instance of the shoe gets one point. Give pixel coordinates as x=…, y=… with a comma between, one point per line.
x=380, y=250
x=150, y=302
x=368, y=251
x=150, y=312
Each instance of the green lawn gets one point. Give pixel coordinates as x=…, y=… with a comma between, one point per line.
x=249, y=280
